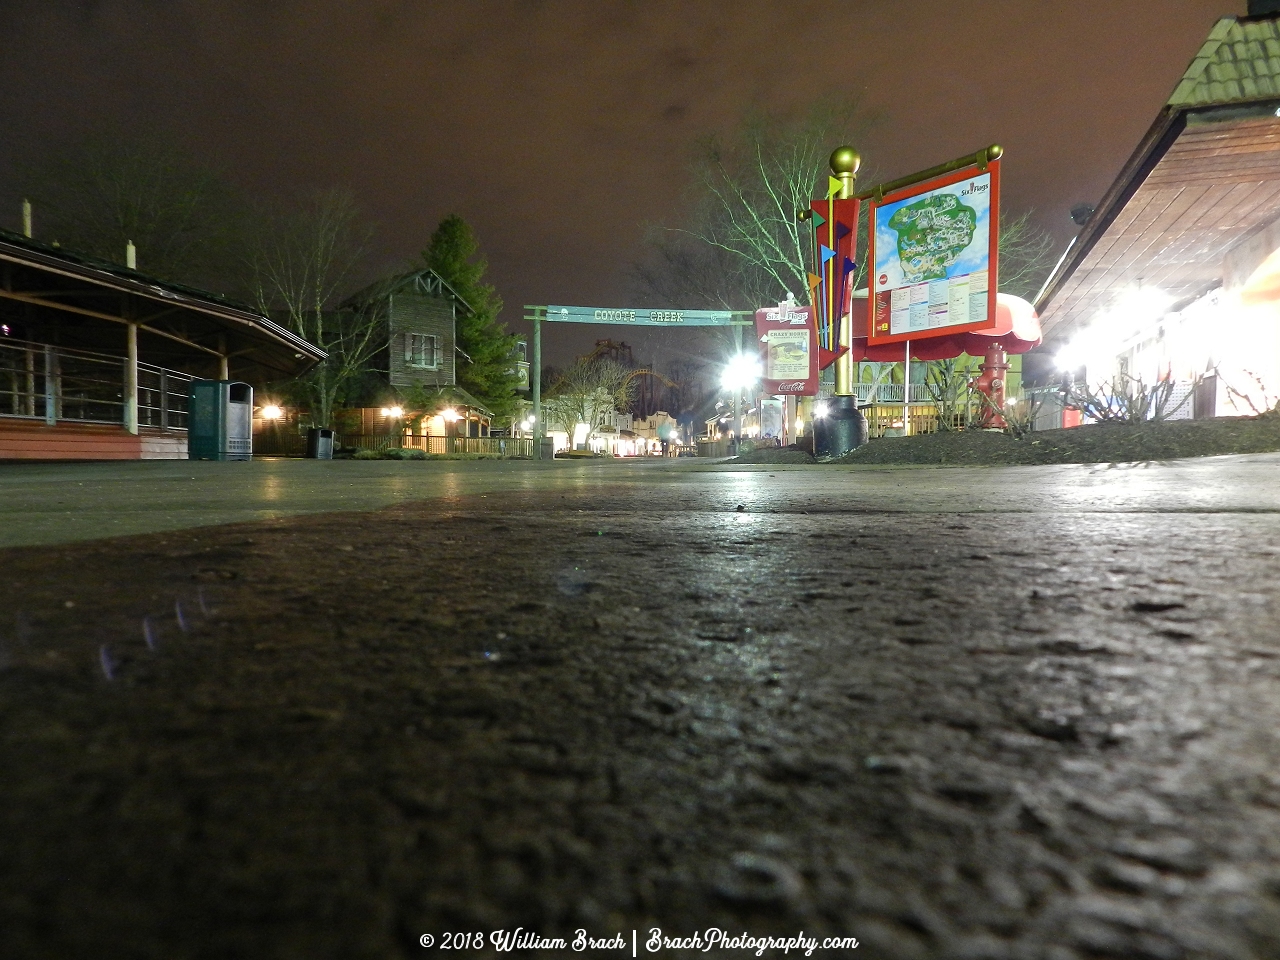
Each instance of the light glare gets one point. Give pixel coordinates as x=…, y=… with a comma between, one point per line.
x=741, y=372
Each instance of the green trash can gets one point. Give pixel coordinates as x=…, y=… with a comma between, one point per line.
x=220, y=420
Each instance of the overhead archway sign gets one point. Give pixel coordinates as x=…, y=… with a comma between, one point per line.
x=644, y=317
x=616, y=316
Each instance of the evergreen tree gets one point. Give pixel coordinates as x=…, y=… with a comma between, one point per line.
x=486, y=368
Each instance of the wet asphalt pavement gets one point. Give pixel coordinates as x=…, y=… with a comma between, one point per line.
x=984, y=713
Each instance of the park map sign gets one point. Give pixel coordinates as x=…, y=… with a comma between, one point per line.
x=933, y=256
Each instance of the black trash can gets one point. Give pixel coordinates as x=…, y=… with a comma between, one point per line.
x=841, y=429
x=319, y=443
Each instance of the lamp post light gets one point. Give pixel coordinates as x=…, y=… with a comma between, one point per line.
x=451, y=416
x=740, y=373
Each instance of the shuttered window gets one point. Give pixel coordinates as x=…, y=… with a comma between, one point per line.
x=422, y=350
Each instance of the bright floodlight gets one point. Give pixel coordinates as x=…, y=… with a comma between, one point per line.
x=741, y=372
x=272, y=412
x=451, y=415
x=819, y=409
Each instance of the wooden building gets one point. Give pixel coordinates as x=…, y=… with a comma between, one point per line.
x=420, y=312
x=1176, y=272
x=96, y=359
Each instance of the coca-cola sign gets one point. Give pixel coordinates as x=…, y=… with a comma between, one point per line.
x=788, y=347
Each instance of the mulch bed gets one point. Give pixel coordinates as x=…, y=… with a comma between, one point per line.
x=1093, y=443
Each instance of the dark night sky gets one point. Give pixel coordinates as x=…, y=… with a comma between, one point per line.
x=559, y=127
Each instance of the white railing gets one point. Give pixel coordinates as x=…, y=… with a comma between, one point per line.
x=885, y=393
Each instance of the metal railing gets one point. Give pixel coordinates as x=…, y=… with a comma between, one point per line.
x=43, y=382
x=511, y=447
x=885, y=393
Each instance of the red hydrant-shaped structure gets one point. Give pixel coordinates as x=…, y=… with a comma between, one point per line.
x=990, y=383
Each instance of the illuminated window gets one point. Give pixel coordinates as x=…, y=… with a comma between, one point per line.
x=422, y=350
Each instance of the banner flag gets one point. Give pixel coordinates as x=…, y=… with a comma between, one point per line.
x=834, y=242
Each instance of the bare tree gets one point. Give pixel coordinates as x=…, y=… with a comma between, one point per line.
x=682, y=270
x=1026, y=255
x=748, y=188
x=96, y=196
x=742, y=246
x=589, y=392
x=301, y=259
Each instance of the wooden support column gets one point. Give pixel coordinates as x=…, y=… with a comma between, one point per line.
x=131, y=380
x=535, y=380
x=51, y=391
x=30, y=406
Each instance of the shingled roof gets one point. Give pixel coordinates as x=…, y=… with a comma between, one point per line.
x=1239, y=62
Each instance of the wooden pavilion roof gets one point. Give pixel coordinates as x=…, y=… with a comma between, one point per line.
x=88, y=302
x=1204, y=178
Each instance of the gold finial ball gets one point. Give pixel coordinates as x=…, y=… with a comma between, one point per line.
x=845, y=160
x=995, y=151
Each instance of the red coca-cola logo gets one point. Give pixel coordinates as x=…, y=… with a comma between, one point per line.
x=884, y=278
x=792, y=387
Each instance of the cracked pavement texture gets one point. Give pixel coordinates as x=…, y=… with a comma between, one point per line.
x=1000, y=723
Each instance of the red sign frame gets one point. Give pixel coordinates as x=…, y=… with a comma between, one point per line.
x=879, y=304
x=786, y=317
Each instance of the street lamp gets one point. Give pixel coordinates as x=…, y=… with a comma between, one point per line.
x=740, y=373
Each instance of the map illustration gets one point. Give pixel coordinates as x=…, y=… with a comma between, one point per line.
x=932, y=234
x=932, y=258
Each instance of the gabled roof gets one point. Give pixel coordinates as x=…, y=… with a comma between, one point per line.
x=1205, y=177
x=425, y=281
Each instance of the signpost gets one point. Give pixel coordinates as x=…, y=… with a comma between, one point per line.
x=933, y=255
x=615, y=316
x=791, y=349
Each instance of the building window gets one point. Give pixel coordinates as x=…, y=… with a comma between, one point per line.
x=422, y=350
